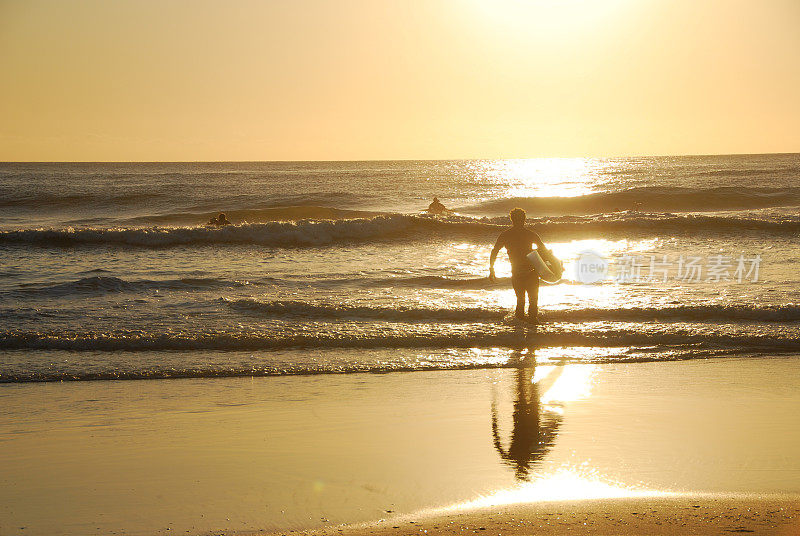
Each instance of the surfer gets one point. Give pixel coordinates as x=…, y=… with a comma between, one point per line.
x=220, y=220
x=437, y=207
x=518, y=242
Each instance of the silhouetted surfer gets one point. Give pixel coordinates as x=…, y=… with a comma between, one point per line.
x=220, y=220
x=518, y=242
x=437, y=207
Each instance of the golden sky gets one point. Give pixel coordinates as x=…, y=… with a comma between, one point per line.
x=372, y=79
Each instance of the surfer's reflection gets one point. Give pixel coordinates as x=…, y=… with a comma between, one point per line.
x=534, y=427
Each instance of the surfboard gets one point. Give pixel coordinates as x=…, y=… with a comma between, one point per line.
x=548, y=267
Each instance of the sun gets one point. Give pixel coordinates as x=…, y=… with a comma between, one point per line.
x=549, y=19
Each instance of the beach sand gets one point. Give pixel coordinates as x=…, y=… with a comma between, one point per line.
x=595, y=443
x=675, y=516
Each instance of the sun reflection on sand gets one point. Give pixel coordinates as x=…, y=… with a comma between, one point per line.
x=559, y=384
x=551, y=388
x=566, y=484
x=574, y=383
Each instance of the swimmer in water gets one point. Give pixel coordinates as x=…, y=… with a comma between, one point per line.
x=220, y=220
x=437, y=207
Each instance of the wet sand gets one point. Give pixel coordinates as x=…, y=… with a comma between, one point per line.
x=674, y=516
x=239, y=455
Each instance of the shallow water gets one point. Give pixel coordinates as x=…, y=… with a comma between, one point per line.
x=107, y=271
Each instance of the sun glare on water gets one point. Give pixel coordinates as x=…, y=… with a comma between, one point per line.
x=546, y=177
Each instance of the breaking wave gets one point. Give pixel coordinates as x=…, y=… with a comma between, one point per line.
x=647, y=199
x=687, y=313
x=254, y=215
x=260, y=369
x=427, y=281
x=480, y=337
x=292, y=308
x=274, y=234
x=316, y=233
x=103, y=284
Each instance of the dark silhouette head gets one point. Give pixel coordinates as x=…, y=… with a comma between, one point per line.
x=517, y=217
x=435, y=199
x=222, y=217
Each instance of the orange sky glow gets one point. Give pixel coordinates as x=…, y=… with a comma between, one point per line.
x=358, y=80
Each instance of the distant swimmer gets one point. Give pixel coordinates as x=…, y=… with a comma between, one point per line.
x=518, y=242
x=220, y=220
x=437, y=207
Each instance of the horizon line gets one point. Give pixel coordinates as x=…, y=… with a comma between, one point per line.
x=382, y=159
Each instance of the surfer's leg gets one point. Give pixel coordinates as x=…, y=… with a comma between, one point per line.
x=533, y=296
x=518, y=282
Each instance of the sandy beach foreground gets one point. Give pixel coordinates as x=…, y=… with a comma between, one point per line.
x=673, y=516
x=702, y=447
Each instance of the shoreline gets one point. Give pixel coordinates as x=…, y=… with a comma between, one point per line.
x=685, y=514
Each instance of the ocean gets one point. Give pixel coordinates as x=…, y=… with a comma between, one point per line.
x=108, y=272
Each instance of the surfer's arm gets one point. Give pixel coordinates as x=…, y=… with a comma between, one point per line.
x=537, y=240
x=493, y=257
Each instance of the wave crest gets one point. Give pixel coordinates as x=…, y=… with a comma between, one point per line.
x=255, y=215
x=686, y=313
x=293, y=308
x=481, y=337
x=104, y=284
x=647, y=199
x=316, y=233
